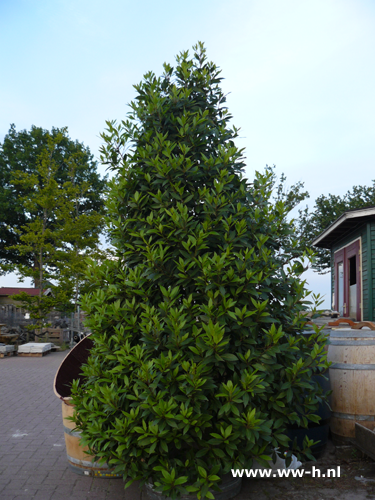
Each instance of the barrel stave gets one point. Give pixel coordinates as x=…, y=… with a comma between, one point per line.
x=352, y=377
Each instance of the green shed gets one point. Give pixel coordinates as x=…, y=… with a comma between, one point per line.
x=351, y=240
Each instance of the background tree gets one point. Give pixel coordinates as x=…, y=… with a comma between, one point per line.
x=20, y=153
x=39, y=238
x=326, y=210
x=198, y=365
x=79, y=231
x=57, y=235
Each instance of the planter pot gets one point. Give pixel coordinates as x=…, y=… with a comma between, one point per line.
x=353, y=382
x=230, y=487
x=79, y=461
x=69, y=370
x=316, y=432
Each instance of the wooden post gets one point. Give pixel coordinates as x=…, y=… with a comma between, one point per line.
x=369, y=273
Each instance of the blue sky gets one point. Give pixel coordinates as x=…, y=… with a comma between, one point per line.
x=300, y=76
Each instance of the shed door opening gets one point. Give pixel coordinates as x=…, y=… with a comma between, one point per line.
x=340, y=271
x=353, y=287
x=347, y=285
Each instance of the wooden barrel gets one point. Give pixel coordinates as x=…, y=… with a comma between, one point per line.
x=79, y=461
x=352, y=376
x=69, y=370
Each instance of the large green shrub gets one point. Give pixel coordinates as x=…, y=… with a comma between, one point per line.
x=198, y=365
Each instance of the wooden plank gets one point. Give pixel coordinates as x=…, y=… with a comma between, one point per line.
x=8, y=337
x=33, y=354
x=7, y=354
x=362, y=324
x=340, y=321
x=364, y=440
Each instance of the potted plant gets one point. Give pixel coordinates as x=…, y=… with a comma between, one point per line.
x=197, y=365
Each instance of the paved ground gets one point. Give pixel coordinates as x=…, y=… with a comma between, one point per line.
x=33, y=463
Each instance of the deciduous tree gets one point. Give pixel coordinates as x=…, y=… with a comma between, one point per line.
x=58, y=233
x=20, y=154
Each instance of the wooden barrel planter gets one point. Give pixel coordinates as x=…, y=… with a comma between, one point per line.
x=69, y=370
x=352, y=377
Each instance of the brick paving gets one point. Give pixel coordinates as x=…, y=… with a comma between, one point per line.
x=33, y=464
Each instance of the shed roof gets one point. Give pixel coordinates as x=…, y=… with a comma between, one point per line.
x=344, y=225
x=6, y=291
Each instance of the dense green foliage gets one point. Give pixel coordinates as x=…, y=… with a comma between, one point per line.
x=197, y=365
x=20, y=154
x=326, y=210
